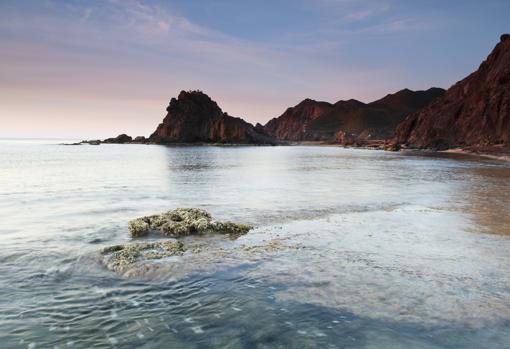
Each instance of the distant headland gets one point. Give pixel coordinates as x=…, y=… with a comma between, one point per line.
x=473, y=114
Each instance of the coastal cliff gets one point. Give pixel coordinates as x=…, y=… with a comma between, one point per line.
x=473, y=113
x=354, y=120
x=292, y=124
x=194, y=117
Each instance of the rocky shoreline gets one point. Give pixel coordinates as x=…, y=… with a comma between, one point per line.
x=496, y=152
x=472, y=116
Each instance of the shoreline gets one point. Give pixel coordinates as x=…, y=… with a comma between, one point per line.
x=496, y=152
x=496, y=155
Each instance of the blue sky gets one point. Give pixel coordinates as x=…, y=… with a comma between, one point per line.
x=91, y=69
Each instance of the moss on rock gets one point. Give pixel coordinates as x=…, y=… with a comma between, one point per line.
x=138, y=227
x=184, y=221
x=120, y=257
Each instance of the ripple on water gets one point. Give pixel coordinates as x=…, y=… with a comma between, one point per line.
x=373, y=249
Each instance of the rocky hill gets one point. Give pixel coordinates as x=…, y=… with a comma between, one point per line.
x=195, y=118
x=322, y=121
x=292, y=124
x=475, y=112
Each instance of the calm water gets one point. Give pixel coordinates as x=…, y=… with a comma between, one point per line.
x=371, y=249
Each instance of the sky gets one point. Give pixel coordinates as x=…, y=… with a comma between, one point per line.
x=95, y=69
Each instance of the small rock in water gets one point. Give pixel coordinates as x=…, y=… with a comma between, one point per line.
x=130, y=259
x=119, y=257
x=182, y=222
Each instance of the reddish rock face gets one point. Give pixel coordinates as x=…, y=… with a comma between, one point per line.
x=345, y=139
x=473, y=112
x=322, y=121
x=195, y=117
x=292, y=124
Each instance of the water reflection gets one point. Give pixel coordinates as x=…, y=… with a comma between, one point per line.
x=487, y=199
x=384, y=249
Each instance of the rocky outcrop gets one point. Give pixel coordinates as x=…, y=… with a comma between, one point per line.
x=346, y=139
x=321, y=121
x=183, y=222
x=194, y=117
x=140, y=139
x=135, y=258
x=473, y=112
x=120, y=139
x=292, y=124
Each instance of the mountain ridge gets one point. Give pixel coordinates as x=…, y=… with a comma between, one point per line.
x=473, y=112
x=313, y=120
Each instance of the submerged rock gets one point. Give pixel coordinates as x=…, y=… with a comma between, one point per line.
x=120, y=257
x=182, y=222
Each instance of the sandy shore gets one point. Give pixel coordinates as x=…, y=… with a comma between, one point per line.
x=493, y=152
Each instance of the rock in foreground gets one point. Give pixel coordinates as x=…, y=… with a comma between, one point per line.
x=183, y=222
x=120, y=257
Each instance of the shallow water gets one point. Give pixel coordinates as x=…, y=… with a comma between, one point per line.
x=373, y=249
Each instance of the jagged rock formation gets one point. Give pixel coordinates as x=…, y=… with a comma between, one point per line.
x=292, y=124
x=473, y=112
x=322, y=121
x=195, y=118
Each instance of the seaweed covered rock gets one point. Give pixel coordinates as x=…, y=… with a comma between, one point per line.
x=119, y=257
x=182, y=222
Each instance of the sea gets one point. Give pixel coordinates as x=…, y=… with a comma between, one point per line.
x=350, y=248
